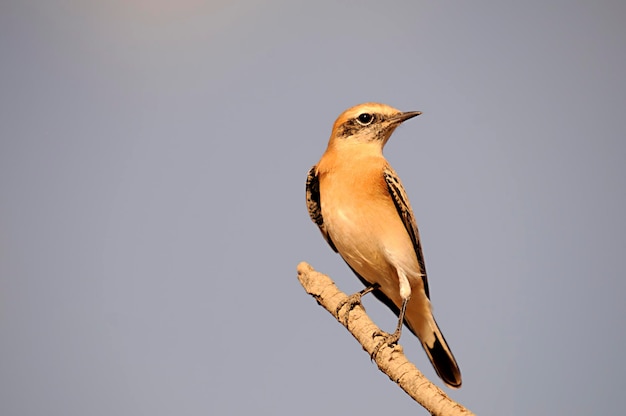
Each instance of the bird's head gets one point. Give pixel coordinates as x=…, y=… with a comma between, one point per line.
x=369, y=123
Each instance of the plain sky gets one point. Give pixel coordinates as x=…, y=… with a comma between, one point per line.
x=153, y=156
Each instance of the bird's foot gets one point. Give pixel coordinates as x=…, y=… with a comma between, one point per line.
x=351, y=302
x=389, y=340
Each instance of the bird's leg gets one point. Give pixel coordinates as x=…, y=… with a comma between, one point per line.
x=392, y=339
x=354, y=300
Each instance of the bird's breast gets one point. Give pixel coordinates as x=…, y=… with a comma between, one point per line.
x=362, y=221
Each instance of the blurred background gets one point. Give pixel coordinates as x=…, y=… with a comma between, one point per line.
x=153, y=156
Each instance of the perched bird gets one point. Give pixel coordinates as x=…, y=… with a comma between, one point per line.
x=360, y=206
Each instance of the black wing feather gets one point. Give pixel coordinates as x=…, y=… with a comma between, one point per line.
x=314, y=204
x=401, y=201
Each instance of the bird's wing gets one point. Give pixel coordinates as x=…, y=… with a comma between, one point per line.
x=401, y=201
x=314, y=205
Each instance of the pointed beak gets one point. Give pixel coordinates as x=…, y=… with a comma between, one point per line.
x=393, y=122
x=399, y=118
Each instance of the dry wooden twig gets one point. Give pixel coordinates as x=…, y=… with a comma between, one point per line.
x=390, y=360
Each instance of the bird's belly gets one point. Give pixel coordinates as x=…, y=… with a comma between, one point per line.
x=368, y=240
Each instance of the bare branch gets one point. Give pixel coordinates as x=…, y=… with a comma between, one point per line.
x=390, y=361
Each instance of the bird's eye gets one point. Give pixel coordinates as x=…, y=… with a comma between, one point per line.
x=365, y=119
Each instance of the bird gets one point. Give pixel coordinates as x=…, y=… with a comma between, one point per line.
x=363, y=212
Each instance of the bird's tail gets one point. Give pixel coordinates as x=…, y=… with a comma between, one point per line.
x=440, y=355
x=421, y=322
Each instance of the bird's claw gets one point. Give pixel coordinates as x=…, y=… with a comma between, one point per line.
x=352, y=301
x=390, y=340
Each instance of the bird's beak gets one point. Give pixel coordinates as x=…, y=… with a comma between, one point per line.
x=394, y=121
x=399, y=118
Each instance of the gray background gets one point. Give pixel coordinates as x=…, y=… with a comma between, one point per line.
x=152, y=165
